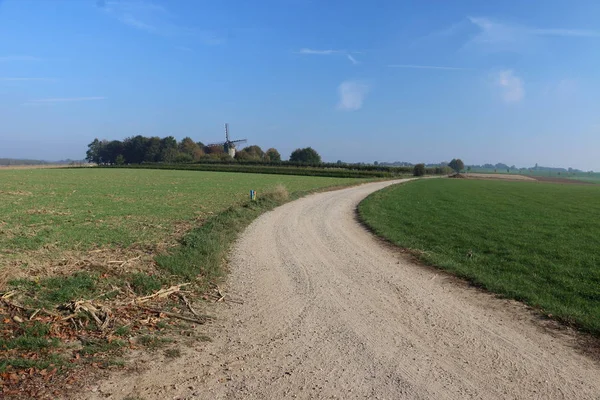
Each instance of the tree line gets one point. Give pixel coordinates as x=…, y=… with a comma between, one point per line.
x=140, y=149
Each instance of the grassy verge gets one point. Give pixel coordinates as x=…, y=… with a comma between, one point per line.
x=534, y=242
x=203, y=249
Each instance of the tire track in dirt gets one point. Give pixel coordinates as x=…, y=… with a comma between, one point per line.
x=332, y=312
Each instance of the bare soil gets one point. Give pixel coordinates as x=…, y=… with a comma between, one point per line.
x=330, y=311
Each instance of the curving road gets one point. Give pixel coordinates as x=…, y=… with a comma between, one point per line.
x=331, y=312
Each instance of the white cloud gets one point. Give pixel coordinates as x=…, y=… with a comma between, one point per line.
x=352, y=95
x=130, y=20
x=330, y=52
x=321, y=52
x=494, y=35
x=564, y=32
x=352, y=59
x=428, y=67
x=511, y=85
x=136, y=14
x=156, y=19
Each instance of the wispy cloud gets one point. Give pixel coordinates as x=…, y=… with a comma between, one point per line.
x=321, y=52
x=211, y=38
x=352, y=95
x=156, y=19
x=564, y=32
x=352, y=59
x=18, y=58
x=184, y=48
x=136, y=14
x=130, y=20
x=65, y=100
x=330, y=52
x=495, y=35
x=428, y=67
x=2, y=79
x=511, y=86
x=564, y=90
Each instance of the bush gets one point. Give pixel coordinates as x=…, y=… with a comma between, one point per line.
x=419, y=170
x=457, y=165
x=306, y=155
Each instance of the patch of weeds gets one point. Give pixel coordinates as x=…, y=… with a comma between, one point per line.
x=36, y=329
x=28, y=343
x=172, y=353
x=64, y=289
x=30, y=337
x=204, y=338
x=144, y=284
x=45, y=361
x=162, y=325
x=49, y=292
x=116, y=362
x=124, y=330
x=153, y=342
x=95, y=346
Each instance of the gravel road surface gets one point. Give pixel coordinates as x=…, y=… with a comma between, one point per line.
x=332, y=312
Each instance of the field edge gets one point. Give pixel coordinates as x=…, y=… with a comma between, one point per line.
x=586, y=338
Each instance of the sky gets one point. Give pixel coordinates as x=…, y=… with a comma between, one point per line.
x=516, y=82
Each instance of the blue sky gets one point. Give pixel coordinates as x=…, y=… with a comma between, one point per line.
x=487, y=81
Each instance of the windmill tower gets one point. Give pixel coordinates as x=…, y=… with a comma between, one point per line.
x=228, y=144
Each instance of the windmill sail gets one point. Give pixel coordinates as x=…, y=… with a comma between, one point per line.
x=228, y=144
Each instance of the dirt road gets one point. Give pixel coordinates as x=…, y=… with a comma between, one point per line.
x=331, y=312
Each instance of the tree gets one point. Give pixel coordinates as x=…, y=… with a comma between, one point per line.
x=457, y=165
x=153, y=150
x=242, y=155
x=214, y=150
x=306, y=155
x=419, y=170
x=112, y=150
x=188, y=146
x=254, y=152
x=168, y=149
x=93, y=152
x=120, y=160
x=272, y=155
x=135, y=149
x=183, y=158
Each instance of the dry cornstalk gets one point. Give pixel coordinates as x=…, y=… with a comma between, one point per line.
x=178, y=316
x=189, y=305
x=162, y=293
x=88, y=307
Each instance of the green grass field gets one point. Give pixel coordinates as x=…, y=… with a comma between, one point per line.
x=80, y=209
x=94, y=235
x=535, y=242
x=591, y=177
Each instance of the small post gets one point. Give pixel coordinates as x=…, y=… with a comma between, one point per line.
x=253, y=195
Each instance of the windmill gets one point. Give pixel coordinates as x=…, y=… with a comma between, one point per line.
x=228, y=145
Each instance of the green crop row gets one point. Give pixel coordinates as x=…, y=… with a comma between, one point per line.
x=333, y=172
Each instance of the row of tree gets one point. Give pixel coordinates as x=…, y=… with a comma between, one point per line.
x=455, y=165
x=139, y=149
